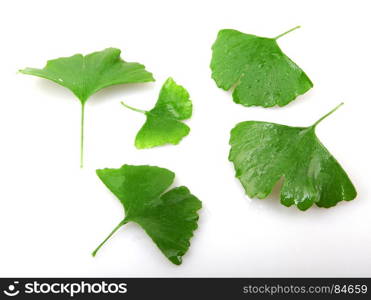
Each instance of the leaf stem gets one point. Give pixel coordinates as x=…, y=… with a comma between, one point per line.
x=82, y=135
x=286, y=32
x=326, y=115
x=133, y=108
x=122, y=223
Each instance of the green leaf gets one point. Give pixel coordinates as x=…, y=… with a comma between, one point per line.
x=163, y=124
x=168, y=217
x=86, y=75
x=263, y=153
x=256, y=69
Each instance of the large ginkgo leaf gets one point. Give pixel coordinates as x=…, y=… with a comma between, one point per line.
x=263, y=153
x=168, y=217
x=86, y=75
x=256, y=69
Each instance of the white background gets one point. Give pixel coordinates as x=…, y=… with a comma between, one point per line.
x=52, y=214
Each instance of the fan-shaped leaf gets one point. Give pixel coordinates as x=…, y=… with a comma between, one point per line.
x=168, y=217
x=262, y=153
x=86, y=75
x=163, y=124
x=256, y=69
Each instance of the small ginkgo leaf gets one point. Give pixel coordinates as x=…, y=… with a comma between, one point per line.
x=256, y=69
x=86, y=75
x=168, y=217
x=163, y=124
x=263, y=153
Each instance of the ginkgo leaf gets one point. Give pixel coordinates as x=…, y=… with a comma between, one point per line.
x=86, y=75
x=168, y=217
x=263, y=153
x=256, y=69
x=163, y=124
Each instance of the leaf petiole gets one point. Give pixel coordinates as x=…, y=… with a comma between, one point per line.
x=122, y=223
x=82, y=135
x=133, y=108
x=286, y=32
x=326, y=115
